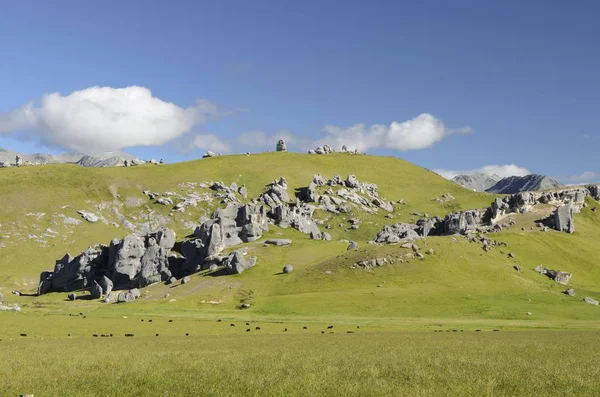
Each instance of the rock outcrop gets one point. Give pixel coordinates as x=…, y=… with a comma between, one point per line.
x=136, y=260
x=227, y=227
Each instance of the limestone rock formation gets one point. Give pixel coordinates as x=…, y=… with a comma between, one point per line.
x=281, y=146
x=134, y=260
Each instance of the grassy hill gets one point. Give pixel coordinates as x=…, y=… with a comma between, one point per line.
x=460, y=287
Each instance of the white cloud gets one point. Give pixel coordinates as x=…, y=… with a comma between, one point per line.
x=210, y=142
x=105, y=118
x=260, y=140
x=581, y=179
x=502, y=171
x=421, y=132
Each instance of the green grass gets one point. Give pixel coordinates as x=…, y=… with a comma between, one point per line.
x=340, y=364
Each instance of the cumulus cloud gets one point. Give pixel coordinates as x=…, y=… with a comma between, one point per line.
x=210, y=142
x=105, y=118
x=502, y=171
x=420, y=132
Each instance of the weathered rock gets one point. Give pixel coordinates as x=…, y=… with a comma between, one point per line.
x=95, y=290
x=243, y=191
x=299, y=217
x=227, y=227
x=570, y=292
x=396, y=233
x=281, y=146
x=72, y=296
x=238, y=263
x=125, y=297
x=165, y=201
x=325, y=236
x=288, y=269
x=353, y=246
x=185, y=280
x=280, y=242
x=319, y=180
x=213, y=268
x=106, y=284
x=562, y=277
x=171, y=280
x=590, y=301
x=89, y=216
x=135, y=292
x=462, y=222
x=208, y=154
x=352, y=182
x=563, y=219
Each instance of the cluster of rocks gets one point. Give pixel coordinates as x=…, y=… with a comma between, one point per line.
x=351, y=193
x=370, y=263
x=568, y=201
x=134, y=261
x=556, y=275
x=325, y=149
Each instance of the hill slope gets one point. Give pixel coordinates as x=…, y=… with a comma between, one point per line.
x=458, y=282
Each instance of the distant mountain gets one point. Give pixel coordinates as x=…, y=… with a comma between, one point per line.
x=516, y=184
x=106, y=159
x=114, y=161
x=477, y=181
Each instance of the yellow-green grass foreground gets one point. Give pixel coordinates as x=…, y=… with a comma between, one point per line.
x=560, y=363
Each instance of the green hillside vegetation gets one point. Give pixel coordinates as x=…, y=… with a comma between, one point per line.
x=459, y=288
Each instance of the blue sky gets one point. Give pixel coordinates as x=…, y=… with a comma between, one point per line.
x=524, y=76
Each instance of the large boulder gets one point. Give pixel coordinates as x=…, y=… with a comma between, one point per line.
x=590, y=301
x=125, y=297
x=462, y=222
x=287, y=269
x=563, y=218
x=237, y=263
x=352, y=182
x=95, y=290
x=106, y=284
x=281, y=146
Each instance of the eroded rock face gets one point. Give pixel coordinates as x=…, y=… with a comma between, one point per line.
x=227, y=227
x=562, y=219
x=135, y=260
x=462, y=222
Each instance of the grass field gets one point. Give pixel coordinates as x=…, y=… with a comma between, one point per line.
x=545, y=345
x=359, y=364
